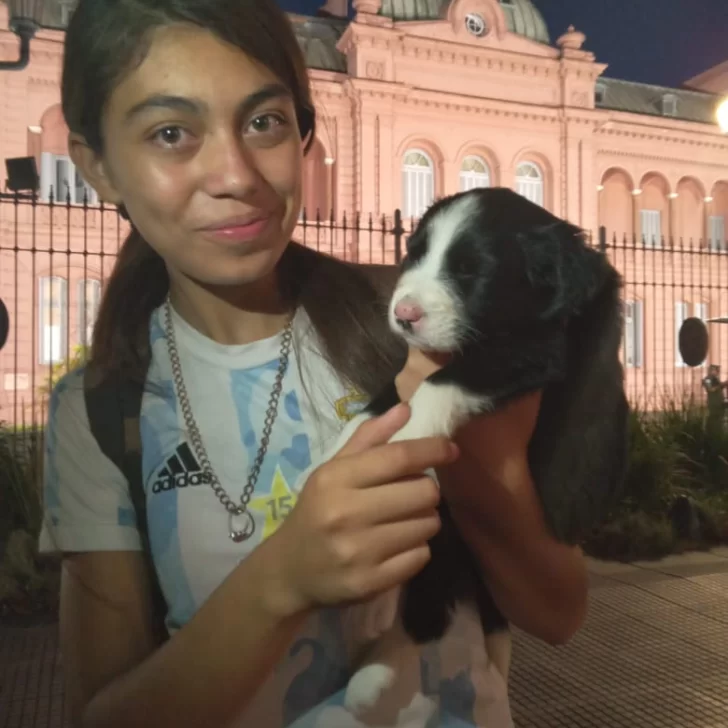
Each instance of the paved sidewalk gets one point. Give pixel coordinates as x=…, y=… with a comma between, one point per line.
x=654, y=652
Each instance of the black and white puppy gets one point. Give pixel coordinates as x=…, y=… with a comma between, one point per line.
x=522, y=303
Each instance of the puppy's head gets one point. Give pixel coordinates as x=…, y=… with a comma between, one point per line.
x=488, y=261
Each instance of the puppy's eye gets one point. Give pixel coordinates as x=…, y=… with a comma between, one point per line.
x=464, y=268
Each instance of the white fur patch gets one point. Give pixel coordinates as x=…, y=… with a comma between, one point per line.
x=427, y=284
x=366, y=687
x=439, y=410
x=418, y=713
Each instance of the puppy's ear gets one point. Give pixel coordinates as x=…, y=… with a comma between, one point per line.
x=562, y=267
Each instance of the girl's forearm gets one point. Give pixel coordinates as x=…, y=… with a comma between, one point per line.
x=210, y=670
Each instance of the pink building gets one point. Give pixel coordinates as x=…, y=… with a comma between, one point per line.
x=417, y=99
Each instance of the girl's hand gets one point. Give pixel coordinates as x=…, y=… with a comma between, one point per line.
x=363, y=519
x=508, y=431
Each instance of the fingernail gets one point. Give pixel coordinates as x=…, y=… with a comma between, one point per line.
x=454, y=451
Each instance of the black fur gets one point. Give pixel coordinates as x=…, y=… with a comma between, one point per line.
x=544, y=312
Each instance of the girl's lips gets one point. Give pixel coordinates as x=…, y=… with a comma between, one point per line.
x=238, y=232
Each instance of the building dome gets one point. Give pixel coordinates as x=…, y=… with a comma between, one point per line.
x=522, y=17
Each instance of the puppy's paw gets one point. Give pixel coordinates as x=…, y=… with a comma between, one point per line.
x=367, y=686
x=418, y=713
x=439, y=410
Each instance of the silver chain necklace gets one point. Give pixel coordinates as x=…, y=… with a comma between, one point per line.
x=241, y=525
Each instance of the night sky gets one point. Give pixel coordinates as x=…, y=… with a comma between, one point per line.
x=664, y=42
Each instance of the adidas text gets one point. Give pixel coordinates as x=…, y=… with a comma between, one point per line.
x=181, y=480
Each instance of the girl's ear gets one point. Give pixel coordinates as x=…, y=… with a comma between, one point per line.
x=92, y=168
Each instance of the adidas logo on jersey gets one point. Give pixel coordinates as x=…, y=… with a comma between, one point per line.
x=180, y=471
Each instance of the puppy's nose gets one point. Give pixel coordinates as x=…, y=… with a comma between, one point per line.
x=408, y=312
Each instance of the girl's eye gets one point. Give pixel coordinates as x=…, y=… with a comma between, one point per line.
x=266, y=123
x=169, y=136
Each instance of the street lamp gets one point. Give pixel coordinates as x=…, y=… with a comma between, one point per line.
x=722, y=115
x=25, y=19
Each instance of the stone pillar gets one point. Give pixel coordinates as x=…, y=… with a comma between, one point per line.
x=637, y=207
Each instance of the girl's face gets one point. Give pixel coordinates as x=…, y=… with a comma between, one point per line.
x=203, y=149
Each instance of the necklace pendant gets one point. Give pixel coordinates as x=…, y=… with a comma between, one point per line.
x=242, y=526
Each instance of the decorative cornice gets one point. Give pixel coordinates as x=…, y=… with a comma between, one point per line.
x=626, y=118
x=494, y=59
x=692, y=141
x=384, y=40
x=329, y=94
x=451, y=107
x=590, y=71
x=656, y=157
x=442, y=103
x=445, y=52
x=358, y=35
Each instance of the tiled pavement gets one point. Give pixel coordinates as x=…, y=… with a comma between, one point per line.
x=31, y=690
x=654, y=652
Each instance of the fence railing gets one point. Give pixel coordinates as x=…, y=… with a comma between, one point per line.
x=665, y=282
x=366, y=239
x=54, y=259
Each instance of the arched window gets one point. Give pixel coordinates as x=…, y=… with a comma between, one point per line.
x=633, y=333
x=52, y=319
x=474, y=173
x=418, y=183
x=529, y=182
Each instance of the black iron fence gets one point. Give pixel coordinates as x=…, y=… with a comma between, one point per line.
x=667, y=281
x=54, y=259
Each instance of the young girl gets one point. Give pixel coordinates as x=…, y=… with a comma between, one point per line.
x=193, y=117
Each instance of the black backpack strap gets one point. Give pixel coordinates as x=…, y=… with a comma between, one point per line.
x=114, y=409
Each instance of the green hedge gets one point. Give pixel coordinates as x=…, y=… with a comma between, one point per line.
x=28, y=582
x=672, y=454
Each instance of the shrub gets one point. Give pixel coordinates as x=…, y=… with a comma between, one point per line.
x=21, y=466
x=672, y=455
x=633, y=536
x=78, y=359
x=29, y=585
x=29, y=582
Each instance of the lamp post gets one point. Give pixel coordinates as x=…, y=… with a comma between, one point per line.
x=25, y=19
x=722, y=116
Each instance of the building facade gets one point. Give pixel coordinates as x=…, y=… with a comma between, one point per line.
x=417, y=99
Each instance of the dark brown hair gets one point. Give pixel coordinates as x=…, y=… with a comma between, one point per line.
x=108, y=38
